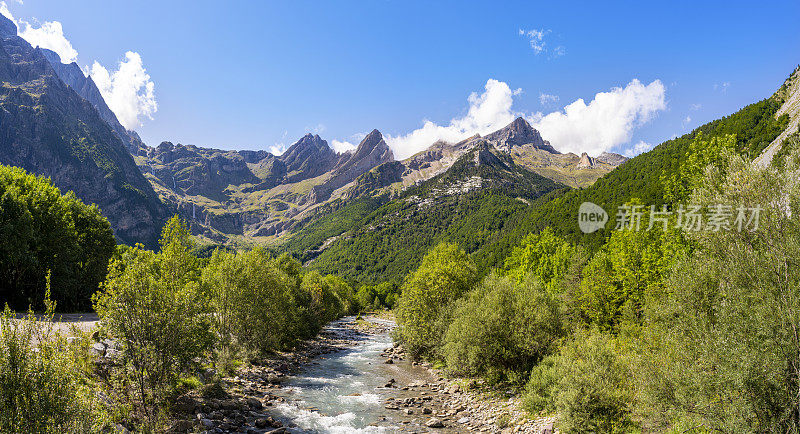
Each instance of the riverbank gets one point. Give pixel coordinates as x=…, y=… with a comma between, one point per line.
x=351, y=378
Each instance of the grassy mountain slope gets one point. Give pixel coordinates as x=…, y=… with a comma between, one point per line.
x=468, y=204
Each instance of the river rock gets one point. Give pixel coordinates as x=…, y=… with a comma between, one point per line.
x=434, y=423
x=254, y=403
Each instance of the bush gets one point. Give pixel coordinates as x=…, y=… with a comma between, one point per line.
x=445, y=273
x=325, y=303
x=543, y=255
x=502, y=329
x=588, y=383
x=40, y=387
x=152, y=305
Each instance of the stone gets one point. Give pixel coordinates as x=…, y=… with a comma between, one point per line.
x=181, y=426
x=99, y=349
x=427, y=410
x=261, y=423
x=548, y=429
x=254, y=403
x=463, y=420
x=185, y=404
x=207, y=423
x=389, y=361
x=409, y=411
x=434, y=423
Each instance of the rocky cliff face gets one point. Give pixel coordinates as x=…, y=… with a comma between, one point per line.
x=585, y=162
x=371, y=152
x=84, y=86
x=48, y=129
x=308, y=158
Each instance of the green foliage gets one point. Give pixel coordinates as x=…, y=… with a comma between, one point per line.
x=700, y=154
x=588, y=383
x=152, y=304
x=262, y=304
x=721, y=344
x=382, y=295
x=43, y=231
x=544, y=256
x=618, y=278
x=40, y=387
x=502, y=329
x=445, y=273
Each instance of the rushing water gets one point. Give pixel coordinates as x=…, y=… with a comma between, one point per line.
x=342, y=392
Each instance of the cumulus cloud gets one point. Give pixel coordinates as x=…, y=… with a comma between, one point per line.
x=128, y=90
x=607, y=121
x=49, y=35
x=278, y=148
x=637, y=149
x=342, y=146
x=488, y=111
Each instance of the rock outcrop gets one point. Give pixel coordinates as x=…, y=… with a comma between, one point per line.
x=84, y=86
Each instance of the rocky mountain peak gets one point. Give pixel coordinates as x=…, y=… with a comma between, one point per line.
x=309, y=157
x=518, y=133
x=585, y=162
x=7, y=27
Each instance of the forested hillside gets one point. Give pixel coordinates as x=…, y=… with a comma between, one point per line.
x=469, y=204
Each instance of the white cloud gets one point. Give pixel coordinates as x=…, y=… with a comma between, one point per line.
x=687, y=120
x=637, y=149
x=488, y=112
x=722, y=87
x=536, y=39
x=5, y=12
x=278, y=148
x=128, y=91
x=49, y=35
x=695, y=107
x=547, y=99
x=607, y=121
x=342, y=146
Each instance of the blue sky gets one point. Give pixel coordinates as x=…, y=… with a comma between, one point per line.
x=258, y=75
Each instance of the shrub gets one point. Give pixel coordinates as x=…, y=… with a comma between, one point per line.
x=152, y=305
x=444, y=274
x=501, y=329
x=588, y=383
x=325, y=303
x=543, y=255
x=40, y=387
x=253, y=299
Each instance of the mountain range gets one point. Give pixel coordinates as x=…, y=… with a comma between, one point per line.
x=326, y=207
